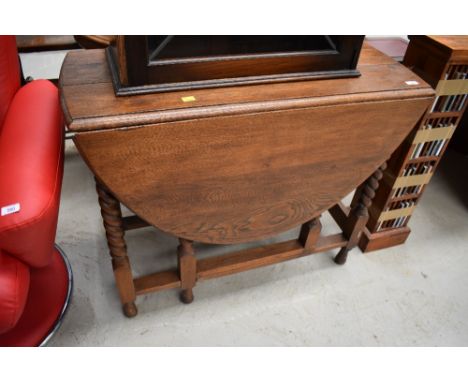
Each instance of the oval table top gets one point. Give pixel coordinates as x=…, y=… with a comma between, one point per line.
x=244, y=163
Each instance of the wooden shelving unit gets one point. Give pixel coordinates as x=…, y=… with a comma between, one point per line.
x=442, y=61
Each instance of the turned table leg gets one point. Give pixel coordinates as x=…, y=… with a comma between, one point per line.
x=187, y=269
x=112, y=218
x=309, y=233
x=359, y=214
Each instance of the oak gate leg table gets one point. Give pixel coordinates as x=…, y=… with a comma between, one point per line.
x=237, y=164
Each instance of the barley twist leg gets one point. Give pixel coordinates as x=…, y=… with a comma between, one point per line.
x=112, y=219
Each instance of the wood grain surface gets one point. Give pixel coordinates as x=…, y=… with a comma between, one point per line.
x=242, y=178
x=89, y=102
x=245, y=163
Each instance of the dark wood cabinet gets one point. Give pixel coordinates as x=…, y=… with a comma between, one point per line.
x=147, y=64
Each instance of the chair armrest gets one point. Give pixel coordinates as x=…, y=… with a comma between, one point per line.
x=31, y=168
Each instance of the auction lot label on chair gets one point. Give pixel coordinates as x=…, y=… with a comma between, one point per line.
x=11, y=209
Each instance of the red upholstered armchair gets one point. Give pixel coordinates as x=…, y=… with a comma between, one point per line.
x=35, y=279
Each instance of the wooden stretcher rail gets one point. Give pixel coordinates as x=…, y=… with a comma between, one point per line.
x=157, y=281
x=238, y=262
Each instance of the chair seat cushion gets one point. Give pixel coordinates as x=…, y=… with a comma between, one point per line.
x=14, y=287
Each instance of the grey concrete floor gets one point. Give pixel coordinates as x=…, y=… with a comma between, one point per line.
x=412, y=295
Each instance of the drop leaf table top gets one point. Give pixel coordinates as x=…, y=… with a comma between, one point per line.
x=238, y=164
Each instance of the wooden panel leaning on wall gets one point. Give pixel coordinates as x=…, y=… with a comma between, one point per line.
x=232, y=165
x=442, y=61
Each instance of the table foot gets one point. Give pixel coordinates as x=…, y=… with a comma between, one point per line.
x=342, y=256
x=186, y=296
x=130, y=310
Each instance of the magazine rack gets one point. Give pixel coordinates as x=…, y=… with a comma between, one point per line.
x=442, y=61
